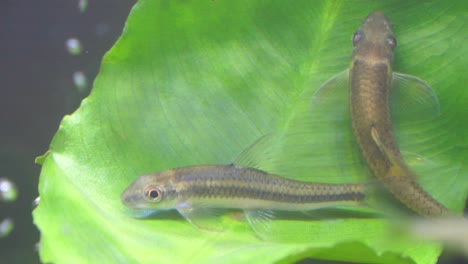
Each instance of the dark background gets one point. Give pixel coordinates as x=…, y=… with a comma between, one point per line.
x=37, y=90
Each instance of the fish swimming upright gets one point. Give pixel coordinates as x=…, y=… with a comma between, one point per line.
x=197, y=191
x=370, y=89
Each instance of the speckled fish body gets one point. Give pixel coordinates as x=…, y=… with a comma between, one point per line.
x=370, y=83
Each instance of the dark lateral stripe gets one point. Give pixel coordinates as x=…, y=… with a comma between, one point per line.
x=198, y=191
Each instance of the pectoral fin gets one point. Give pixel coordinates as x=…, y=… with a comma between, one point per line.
x=412, y=99
x=204, y=218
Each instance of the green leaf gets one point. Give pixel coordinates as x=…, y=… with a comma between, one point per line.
x=198, y=82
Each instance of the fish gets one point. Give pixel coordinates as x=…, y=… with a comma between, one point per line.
x=198, y=191
x=370, y=89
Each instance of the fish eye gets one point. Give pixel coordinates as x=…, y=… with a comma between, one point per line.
x=153, y=194
x=391, y=41
x=357, y=37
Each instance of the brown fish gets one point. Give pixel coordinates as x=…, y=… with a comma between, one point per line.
x=370, y=87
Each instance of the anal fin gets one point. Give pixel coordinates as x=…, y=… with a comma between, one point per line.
x=376, y=137
x=398, y=167
x=260, y=222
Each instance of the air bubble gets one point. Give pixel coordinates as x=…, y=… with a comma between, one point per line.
x=83, y=5
x=8, y=192
x=6, y=226
x=80, y=81
x=36, y=202
x=73, y=46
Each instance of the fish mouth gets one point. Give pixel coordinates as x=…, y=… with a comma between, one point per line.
x=129, y=197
